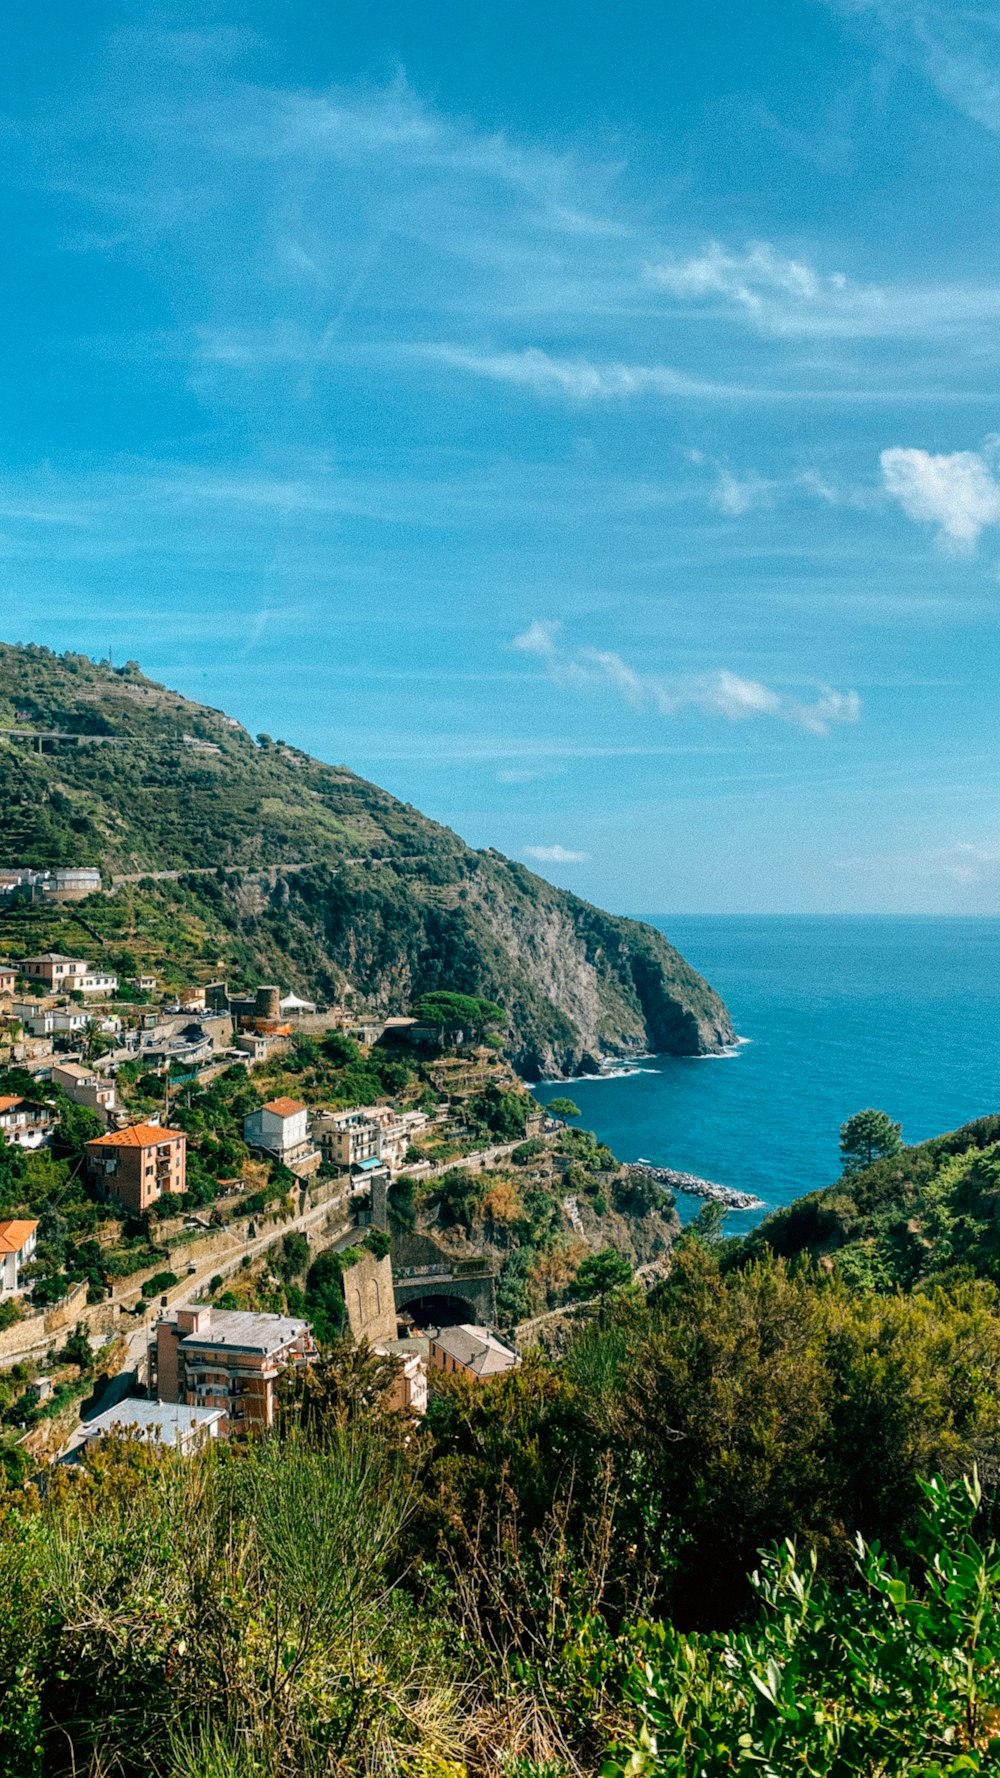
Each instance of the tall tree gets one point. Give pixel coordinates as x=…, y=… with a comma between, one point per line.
x=866, y=1137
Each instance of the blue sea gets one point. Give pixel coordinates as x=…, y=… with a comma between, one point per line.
x=836, y=1014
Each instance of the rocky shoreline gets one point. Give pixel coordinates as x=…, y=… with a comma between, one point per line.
x=694, y=1187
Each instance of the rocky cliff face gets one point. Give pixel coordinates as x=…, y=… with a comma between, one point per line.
x=306, y=873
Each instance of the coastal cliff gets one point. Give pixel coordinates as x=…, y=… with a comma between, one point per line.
x=284, y=867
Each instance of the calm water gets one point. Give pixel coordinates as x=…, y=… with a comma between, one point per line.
x=903, y=1014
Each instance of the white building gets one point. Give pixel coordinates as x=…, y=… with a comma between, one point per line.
x=50, y=1021
x=281, y=1127
x=171, y=1423
x=67, y=975
x=94, y=981
x=17, y=1244
x=25, y=1123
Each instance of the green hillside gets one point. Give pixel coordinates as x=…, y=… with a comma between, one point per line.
x=306, y=874
x=910, y=1219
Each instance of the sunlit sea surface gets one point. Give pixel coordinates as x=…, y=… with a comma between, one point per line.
x=838, y=1013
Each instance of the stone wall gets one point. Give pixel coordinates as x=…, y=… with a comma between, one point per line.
x=46, y=1440
x=371, y=1306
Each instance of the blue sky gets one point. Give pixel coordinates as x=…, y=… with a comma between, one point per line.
x=584, y=420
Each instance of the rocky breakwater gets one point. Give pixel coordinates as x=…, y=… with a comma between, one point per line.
x=694, y=1187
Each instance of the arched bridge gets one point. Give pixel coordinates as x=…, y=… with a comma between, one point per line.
x=465, y=1291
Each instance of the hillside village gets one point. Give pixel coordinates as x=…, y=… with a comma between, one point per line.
x=202, y=1187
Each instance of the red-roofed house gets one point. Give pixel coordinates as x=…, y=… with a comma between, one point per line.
x=17, y=1244
x=25, y=1123
x=281, y=1127
x=137, y=1165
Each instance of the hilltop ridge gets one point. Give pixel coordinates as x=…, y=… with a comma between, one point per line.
x=311, y=874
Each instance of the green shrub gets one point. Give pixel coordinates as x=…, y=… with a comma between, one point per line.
x=897, y=1673
x=162, y=1281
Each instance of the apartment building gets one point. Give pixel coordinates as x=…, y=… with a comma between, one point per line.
x=227, y=1358
x=353, y=1139
x=349, y=1139
x=399, y=1130
x=137, y=1165
x=17, y=1244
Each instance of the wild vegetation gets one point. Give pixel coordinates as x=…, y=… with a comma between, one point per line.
x=914, y=1215
x=560, y=1573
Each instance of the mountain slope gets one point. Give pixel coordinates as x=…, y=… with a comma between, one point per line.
x=313, y=875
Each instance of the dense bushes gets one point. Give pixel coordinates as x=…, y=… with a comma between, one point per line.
x=556, y=1566
x=896, y=1673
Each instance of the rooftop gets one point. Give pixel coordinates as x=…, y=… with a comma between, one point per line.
x=284, y=1107
x=13, y=1234
x=247, y=1331
x=163, y=1422
x=476, y=1348
x=56, y=957
x=136, y=1136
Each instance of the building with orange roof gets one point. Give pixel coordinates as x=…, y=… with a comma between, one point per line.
x=17, y=1244
x=137, y=1165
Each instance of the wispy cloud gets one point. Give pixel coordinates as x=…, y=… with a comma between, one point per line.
x=555, y=855
x=722, y=693
x=955, y=45
x=581, y=379
x=966, y=864
x=584, y=380
x=737, y=493
x=751, y=278
x=955, y=492
x=779, y=293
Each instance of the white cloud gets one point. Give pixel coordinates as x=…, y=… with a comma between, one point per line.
x=777, y=292
x=748, y=278
x=580, y=379
x=738, y=494
x=723, y=693
x=956, y=492
x=555, y=855
x=780, y=294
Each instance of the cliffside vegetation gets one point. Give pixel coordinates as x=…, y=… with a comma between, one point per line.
x=917, y=1215
x=297, y=871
